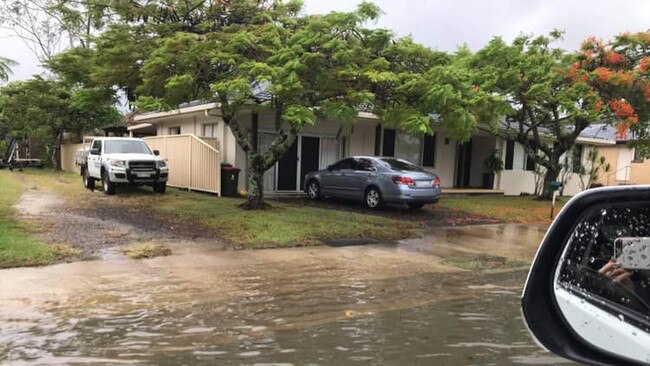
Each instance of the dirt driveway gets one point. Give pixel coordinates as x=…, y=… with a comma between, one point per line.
x=100, y=229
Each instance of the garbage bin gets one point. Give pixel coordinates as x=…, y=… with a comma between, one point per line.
x=229, y=180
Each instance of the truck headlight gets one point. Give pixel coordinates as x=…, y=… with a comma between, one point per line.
x=162, y=164
x=116, y=163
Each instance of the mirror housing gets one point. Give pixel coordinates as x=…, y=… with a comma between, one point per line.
x=540, y=307
x=156, y=152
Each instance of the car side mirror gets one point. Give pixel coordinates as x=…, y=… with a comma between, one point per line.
x=587, y=296
x=156, y=152
x=329, y=167
x=94, y=151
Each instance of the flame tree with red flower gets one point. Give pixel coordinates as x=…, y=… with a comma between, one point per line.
x=548, y=96
x=622, y=69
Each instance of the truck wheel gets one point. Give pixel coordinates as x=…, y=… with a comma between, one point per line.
x=109, y=187
x=160, y=187
x=89, y=182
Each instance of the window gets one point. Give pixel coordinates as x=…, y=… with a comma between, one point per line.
x=429, y=151
x=510, y=154
x=402, y=145
x=378, y=140
x=365, y=165
x=613, y=232
x=530, y=163
x=638, y=156
x=400, y=165
x=388, y=147
x=209, y=130
x=576, y=159
x=97, y=145
x=176, y=130
x=348, y=163
x=126, y=147
x=408, y=147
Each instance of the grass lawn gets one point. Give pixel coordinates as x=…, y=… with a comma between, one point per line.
x=17, y=248
x=515, y=209
x=284, y=225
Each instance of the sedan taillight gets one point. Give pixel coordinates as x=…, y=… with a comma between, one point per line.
x=404, y=180
x=436, y=181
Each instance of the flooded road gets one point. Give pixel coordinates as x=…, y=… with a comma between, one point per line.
x=388, y=304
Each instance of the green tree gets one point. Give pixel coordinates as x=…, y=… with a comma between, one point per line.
x=306, y=68
x=42, y=110
x=546, y=98
x=5, y=68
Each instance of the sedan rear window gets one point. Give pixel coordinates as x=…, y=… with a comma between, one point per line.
x=401, y=165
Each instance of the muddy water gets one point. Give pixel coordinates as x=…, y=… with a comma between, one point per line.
x=392, y=304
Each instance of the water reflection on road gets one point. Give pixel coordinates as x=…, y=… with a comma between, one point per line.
x=380, y=304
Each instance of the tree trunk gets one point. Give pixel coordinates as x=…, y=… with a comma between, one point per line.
x=56, y=151
x=550, y=176
x=255, y=172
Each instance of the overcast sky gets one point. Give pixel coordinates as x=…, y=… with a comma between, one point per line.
x=445, y=24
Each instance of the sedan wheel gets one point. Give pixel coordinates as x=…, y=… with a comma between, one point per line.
x=313, y=190
x=373, y=198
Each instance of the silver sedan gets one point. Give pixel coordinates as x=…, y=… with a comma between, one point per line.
x=376, y=180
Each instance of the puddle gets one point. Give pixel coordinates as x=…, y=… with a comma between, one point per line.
x=390, y=304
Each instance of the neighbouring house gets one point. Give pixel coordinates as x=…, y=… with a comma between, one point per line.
x=458, y=165
x=627, y=165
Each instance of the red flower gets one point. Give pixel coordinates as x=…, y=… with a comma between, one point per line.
x=476, y=88
x=614, y=58
x=604, y=74
x=643, y=64
x=619, y=77
x=621, y=108
x=598, y=105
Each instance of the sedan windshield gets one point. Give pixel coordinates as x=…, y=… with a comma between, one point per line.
x=400, y=165
x=126, y=147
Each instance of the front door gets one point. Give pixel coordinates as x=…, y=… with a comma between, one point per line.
x=463, y=164
x=309, y=156
x=288, y=169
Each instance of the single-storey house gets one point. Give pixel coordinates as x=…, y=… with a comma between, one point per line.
x=459, y=165
x=627, y=166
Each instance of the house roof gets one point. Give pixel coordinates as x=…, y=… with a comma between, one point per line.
x=607, y=132
x=597, y=133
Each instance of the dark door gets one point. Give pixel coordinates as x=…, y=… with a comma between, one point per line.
x=463, y=164
x=309, y=157
x=288, y=168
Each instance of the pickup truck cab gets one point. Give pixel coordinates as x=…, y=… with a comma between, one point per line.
x=122, y=160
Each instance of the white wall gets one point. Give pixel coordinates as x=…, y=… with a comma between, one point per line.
x=625, y=157
x=517, y=181
x=445, y=164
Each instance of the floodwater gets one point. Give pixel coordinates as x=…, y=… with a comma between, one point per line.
x=385, y=304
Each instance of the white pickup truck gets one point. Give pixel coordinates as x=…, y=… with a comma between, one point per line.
x=122, y=160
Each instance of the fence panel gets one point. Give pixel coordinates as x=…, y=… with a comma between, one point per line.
x=193, y=163
x=68, y=156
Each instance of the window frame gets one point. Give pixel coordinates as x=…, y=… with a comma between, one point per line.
x=213, y=126
x=509, y=161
